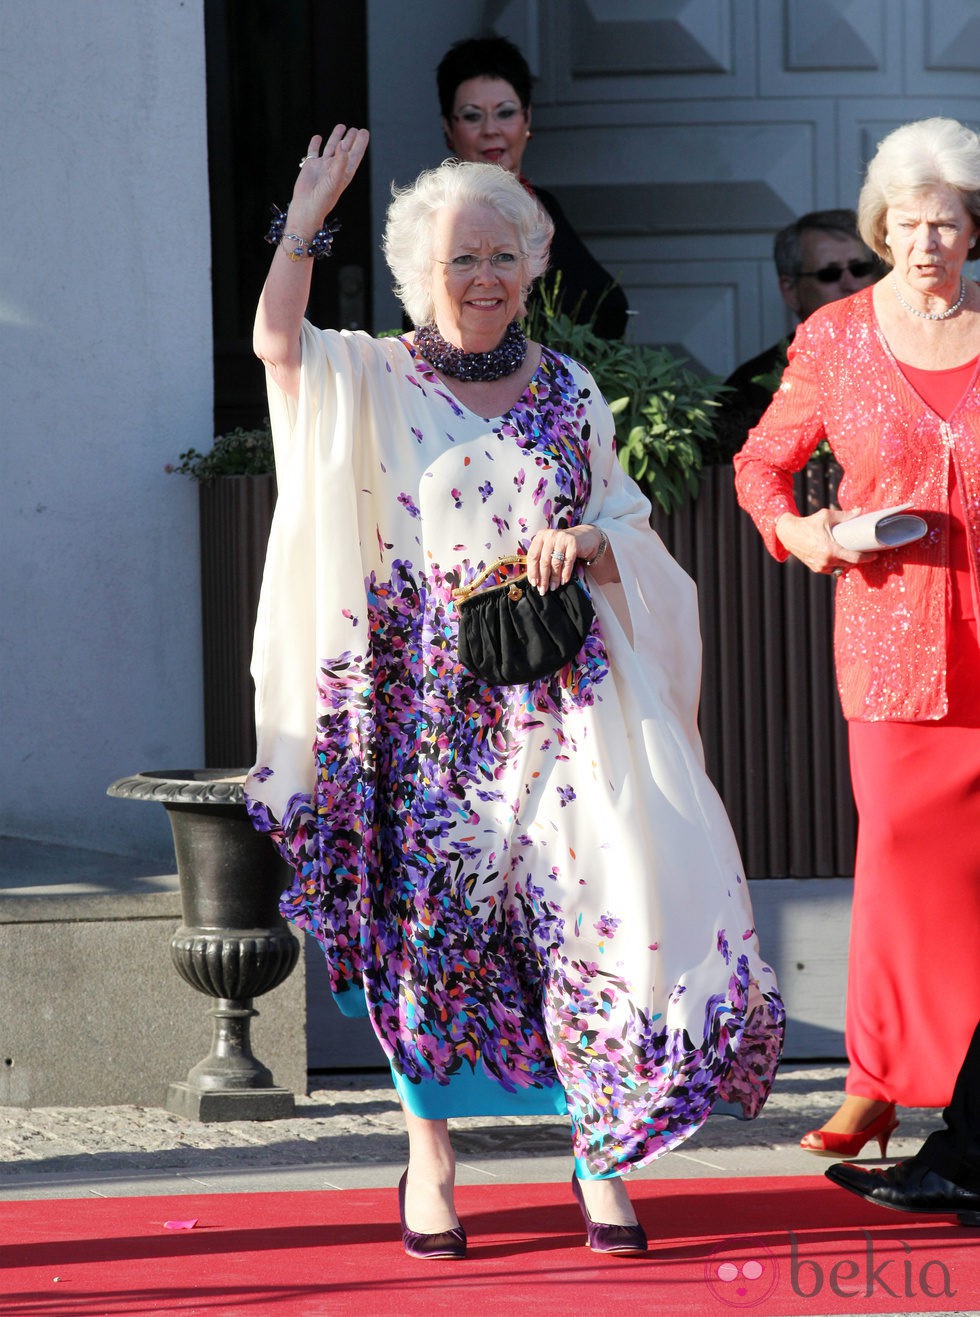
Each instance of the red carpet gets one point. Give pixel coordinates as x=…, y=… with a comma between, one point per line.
x=769, y=1246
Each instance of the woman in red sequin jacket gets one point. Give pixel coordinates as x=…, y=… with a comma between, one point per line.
x=889, y=377
x=843, y=384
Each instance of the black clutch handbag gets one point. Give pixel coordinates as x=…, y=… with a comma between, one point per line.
x=511, y=634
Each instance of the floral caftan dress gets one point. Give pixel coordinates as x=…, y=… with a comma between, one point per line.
x=533, y=891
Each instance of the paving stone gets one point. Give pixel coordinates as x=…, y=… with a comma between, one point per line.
x=356, y=1121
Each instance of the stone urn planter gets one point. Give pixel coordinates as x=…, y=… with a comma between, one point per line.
x=233, y=945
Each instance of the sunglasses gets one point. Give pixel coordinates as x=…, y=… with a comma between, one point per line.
x=832, y=274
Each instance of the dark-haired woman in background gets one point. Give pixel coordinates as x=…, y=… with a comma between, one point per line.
x=485, y=98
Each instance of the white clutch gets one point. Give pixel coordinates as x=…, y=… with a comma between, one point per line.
x=888, y=528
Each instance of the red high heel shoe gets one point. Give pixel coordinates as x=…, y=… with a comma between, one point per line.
x=849, y=1145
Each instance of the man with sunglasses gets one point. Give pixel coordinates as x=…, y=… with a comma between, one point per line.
x=819, y=258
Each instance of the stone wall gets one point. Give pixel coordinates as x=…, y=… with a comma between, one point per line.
x=105, y=313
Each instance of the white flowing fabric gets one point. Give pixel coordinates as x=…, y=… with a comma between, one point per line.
x=534, y=891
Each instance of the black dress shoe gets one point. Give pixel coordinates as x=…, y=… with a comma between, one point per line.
x=908, y=1187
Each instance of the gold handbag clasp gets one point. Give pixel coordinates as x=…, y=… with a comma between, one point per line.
x=512, y=560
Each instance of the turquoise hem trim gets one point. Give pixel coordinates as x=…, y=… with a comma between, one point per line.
x=582, y=1172
x=472, y=1094
x=352, y=1003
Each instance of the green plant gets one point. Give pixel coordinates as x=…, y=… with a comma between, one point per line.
x=770, y=379
x=663, y=410
x=240, y=452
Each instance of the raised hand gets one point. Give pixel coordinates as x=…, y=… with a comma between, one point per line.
x=325, y=171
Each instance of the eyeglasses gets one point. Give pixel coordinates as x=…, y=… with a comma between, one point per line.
x=473, y=117
x=832, y=274
x=468, y=262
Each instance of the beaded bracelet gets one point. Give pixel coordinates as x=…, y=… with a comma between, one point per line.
x=603, y=546
x=321, y=244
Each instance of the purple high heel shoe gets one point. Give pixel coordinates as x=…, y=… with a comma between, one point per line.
x=627, y=1241
x=447, y=1244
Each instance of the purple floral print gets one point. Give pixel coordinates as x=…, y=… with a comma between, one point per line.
x=443, y=858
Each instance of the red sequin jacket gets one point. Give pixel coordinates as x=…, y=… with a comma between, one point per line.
x=843, y=384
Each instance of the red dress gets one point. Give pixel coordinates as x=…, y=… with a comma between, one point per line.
x=913, y=994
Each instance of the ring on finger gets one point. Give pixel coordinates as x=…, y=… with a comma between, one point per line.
x=837, y=573
x=557, y=556
x=304, y=160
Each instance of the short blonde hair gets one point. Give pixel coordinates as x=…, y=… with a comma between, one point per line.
x=409, y=231
x=917, y=156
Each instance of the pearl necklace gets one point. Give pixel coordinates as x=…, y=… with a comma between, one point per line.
x=934, y=315
x=504, y=359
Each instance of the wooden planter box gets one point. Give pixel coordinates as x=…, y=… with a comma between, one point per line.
x=774, y=737
x=775, y=741
x=235, y=515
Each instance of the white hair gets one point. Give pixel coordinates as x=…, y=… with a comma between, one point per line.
x=927, y=153
x=410, y=227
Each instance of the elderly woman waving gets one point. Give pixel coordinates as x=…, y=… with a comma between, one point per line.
x=891, y=377
x=528, y=884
